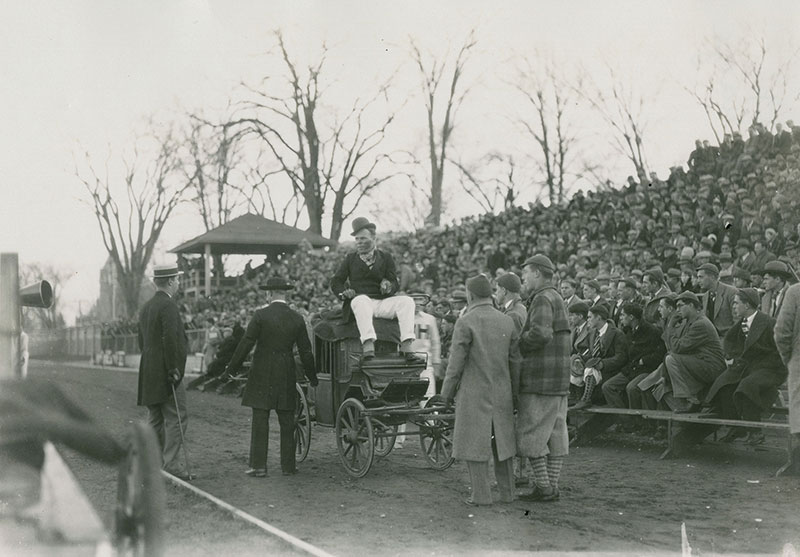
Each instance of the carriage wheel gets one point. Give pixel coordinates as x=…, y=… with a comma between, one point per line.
x=436, y=438
x=355, y=438
x=141, y=499
x=384, y=445
x=302, y=426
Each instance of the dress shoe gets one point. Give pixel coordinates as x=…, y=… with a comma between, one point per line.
x=582, y=404
x=733, y=434
x=256, y=472
x=412, y=358
x=541, y=494
x=755, y=438
x=472, y=503
x=521, y=482
x=289, y=472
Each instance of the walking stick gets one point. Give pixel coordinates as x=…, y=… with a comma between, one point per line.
x=189, y=475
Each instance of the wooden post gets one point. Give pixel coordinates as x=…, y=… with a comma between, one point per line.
x=9, y=315
x=208, y=269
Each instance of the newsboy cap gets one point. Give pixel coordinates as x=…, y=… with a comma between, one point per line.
x=479, y=285
x=581, y=308
x=541, y=261
x=600, y=310
x=709, y=268
x=510, y=281
x=749, y=296
x=689, y=298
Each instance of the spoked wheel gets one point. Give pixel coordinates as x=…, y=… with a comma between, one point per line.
x=141, y=500
x=302, y=426
x=436, y=437
x=355, y=438
x=384, y=445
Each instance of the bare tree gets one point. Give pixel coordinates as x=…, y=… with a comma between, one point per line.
x=131, y=211
x=441, y=87
x=322, y=160
x=622, y=109
x=746, y=84
x=492, y=182
x=44, y=318
x=544, y=118
x=211, y=155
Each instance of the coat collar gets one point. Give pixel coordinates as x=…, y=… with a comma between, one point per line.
x=760, y=323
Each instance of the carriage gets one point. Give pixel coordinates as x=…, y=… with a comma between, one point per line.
x=365, y=401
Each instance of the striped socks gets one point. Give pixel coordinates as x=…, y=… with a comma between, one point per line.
x=554, y=464
x=540, y=475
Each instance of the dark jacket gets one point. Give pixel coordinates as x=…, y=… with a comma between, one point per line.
x=274, y=330
x=613, y=352
x=354, y=273
x=646, y=350
x=723, y=307
x=757, y=367
x=518, y=313
x=162, y=341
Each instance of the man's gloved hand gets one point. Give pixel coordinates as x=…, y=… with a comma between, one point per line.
x=348, y=294
x=386, y=286
x=174, y=376
x=448, y=404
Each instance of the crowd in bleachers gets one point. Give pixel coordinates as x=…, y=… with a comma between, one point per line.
x=730, y=216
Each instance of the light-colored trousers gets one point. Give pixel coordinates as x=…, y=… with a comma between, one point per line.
x=163, y=417
x=365, y=308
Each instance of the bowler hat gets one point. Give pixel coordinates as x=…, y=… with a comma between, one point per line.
x=360, y=223
x=541, y=261
x=276, y=283
x=166, y=271
x=510, y=281
x=689, y=298
x=778, y=269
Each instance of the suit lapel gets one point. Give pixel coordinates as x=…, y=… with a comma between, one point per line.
x=717, y=302
x=757, y=328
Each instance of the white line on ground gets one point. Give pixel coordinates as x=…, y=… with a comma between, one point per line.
x=290, y=539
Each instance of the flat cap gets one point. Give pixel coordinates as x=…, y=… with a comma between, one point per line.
x=689, y=298
x=480, y=286
x=581, y=308
x=750, y=296
x=510, y=281
x=600, y=310
x=709, y=268
x=541, y=261
x=593, y=284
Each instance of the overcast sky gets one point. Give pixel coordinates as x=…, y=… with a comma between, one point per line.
x=86, y=74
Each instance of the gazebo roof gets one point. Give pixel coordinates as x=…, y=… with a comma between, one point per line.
x=252, y=234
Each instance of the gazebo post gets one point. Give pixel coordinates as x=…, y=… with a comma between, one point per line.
x=208, y=269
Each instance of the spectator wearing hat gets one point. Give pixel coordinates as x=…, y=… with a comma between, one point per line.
x=669, y=258
x=162, y=341
x=717, y=298
x=482, y=374
x=787, y=340
x=750, y=383
x=673, y=278
x=627, y=293
x=275, y=330
x=776, y=282
x=508, y=299
x=695, y=357
x=762, y=255
x=591, y=293
x=655, y=286
x=741, y=277
x=581, y=341
x=745, y=258
x=366, y=281
x=646, y=351
x=544, y=380
x=608, y=355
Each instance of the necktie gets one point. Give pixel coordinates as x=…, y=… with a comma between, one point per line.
x=710, y=306
x=773, y=305
x=745, y=327
x=596, y=347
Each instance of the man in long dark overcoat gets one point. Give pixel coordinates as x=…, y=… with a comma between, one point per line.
x=274, y=330
x=755, y=371
x=162, y=341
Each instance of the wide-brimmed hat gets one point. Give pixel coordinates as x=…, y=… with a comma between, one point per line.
x=360, y=223
x=276, y=283
x=166, y=271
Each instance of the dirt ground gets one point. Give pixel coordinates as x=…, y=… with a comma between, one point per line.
x=616, y=497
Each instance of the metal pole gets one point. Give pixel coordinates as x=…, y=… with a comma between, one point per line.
x=9, y=315
x=208, y=269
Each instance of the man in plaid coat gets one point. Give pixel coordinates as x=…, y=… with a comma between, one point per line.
x=544, y=380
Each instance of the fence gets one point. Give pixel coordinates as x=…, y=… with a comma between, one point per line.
x=89, y=340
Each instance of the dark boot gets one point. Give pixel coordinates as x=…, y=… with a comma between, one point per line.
x=586, y=399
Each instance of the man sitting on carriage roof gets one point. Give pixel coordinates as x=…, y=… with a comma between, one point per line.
x=366, y=281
